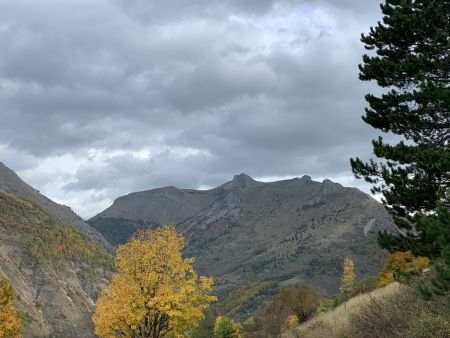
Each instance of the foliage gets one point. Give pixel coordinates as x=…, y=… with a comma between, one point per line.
x=348, y=276
x=290, y=323
x=205, y=328
x=247, y=299
x=325, y=305
x=226, y=328
x=10, y=322
x=301, y=301
x=411, y=61
x=156, y=293
x=400, y=264
x=438, y=225
x=48, y=240
x=252, y=325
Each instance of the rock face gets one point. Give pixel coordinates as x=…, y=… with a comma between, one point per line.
x=13, y=184
x=57, y=271
x=245, y=231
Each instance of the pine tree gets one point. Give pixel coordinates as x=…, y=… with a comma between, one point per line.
x=438, y=226
x=410, y=59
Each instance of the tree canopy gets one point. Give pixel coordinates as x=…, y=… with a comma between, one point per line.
x=409, y=58
x=157, y=292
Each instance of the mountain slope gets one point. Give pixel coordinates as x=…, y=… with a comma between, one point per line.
x=245, y=231
x=12, y=183
x=56, y=271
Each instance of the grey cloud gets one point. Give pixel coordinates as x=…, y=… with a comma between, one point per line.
x=209, y=88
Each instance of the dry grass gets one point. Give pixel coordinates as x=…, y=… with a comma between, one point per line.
x=394, y=311
x=337, y=322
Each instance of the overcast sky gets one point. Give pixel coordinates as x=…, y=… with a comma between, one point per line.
x=106, y=97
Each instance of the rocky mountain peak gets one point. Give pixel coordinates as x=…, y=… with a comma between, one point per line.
x=243, y=181
x=329, y=186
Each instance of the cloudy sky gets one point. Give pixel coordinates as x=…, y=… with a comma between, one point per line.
x=102, y=98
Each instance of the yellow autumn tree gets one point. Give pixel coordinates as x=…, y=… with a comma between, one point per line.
x=10, y=323
x=348, y=277
x=156, y=293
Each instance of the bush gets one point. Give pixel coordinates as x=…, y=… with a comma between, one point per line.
x=226, y=328
x=290, y=323
x=300, y=301
x=401, y=264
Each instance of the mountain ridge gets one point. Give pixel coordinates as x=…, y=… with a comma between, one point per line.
x=12, y=183
x=57, y=263
x=57, y=272
x=244, y=231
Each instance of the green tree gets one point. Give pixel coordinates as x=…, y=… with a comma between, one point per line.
x=410, y=60
x=438, y=226
x=226, y=328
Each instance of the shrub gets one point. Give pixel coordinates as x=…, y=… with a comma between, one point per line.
x=401, y=264
x=300, y=301
x=290, y=323
x=226, y=328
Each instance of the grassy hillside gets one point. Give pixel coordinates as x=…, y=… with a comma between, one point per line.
x=48, y=240
x=394, y=311
x=13, y=184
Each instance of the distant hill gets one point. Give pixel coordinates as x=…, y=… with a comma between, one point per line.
x=246, y=231
x=10, y=182
x=57, y=272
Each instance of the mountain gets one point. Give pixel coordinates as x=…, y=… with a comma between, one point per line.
x=56, y=271
x=54, y=260
x=10, y=182
x=246, y=231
